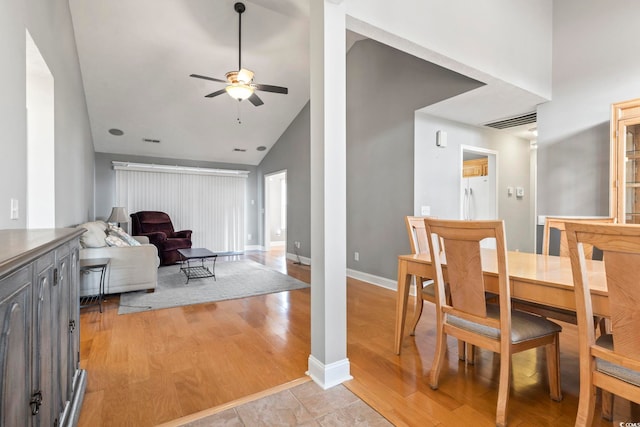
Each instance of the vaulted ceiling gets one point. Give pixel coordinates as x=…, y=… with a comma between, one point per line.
x=136, y=58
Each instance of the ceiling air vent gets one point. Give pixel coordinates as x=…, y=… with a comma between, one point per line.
x=155, y=141
x=514, y=121
x=242, y=150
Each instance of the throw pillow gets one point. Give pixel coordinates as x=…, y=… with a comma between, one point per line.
x=115, y=241
x=94, y=236
x=119, y=232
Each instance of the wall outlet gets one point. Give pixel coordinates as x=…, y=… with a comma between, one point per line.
x=297, y=245
x=249, y=236
x=356, y=256
x=425, y=210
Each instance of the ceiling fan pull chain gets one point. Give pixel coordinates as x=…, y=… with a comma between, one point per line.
x=239, y=119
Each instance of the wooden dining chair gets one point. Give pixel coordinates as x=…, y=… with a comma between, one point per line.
x=469, y=317
x=425, y=289
x=558, y=224
x=611, y=362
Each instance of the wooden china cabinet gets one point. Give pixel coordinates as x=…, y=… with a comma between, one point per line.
x=625, y=161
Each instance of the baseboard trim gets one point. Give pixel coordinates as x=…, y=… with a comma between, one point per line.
x=303, y=259
x=383, y=282
x=254, y=248
x=327, y=376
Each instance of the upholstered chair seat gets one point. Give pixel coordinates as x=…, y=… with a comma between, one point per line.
x=609, y=368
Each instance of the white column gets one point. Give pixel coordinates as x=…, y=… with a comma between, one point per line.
x=328, y=363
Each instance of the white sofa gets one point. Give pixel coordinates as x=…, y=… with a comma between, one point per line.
x=131, y=268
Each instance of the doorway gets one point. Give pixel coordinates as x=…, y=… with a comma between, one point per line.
x=40, y=140
x=275, y=212
x=478, y=183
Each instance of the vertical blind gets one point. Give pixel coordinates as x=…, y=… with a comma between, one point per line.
x=211, y=205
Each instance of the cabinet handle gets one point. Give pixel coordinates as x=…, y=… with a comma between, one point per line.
x=72, y=325
x=55, y=277
x=36, y=402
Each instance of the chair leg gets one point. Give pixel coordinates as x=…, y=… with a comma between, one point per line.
x=607, y=405
x=416, y=313
x=438, y=358
x=503, y=389
x=586, y=403
x=462, y=353
x=553, y=369
x=471, y=354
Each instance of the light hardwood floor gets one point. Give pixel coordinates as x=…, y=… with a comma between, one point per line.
x=148, y=368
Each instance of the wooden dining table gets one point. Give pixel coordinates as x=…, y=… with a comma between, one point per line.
x=541, y=279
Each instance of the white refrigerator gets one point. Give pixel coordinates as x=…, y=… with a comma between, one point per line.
x=478, y=198
x=479, y=202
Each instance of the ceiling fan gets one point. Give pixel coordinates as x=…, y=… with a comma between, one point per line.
x=240, y=83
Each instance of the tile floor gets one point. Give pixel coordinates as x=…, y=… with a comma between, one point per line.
x=303, y=405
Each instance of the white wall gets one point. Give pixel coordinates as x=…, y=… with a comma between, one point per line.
x=437, y=174
x=506, y=39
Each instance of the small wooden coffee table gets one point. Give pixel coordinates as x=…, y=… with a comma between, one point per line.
x=200, y=271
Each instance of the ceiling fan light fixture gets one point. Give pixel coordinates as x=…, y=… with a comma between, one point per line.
x=239, y=91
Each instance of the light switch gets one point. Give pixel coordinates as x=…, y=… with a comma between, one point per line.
x=519, y=192
x=15, y=209
x=509, y=191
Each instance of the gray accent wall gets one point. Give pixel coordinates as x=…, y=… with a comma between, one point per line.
x=49, y=23
x=384, y=89
x=292, y=153
x=106, y=183
x=594, y=65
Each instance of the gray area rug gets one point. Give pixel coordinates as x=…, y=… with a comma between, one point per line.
x=235, y=279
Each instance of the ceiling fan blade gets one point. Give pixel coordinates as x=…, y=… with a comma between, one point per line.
x=270, y=88
x=255, y=100
x=216, y=93
x=198, y=76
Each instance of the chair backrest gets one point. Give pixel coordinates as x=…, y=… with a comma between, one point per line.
x=557, y=223
x=458, y=243
x=620, y=245
x=150, y=222
x=417, y=234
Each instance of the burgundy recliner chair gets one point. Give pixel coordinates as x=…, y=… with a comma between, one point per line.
x=158, y=228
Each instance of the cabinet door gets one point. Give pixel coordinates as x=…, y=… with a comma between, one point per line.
x=630, y=139
x=73, y=359
x=46, y=343
x=63, y=317
x=625, y=161
x=15, y=345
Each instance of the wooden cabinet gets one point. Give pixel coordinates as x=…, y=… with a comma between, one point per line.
x=41, y=382
x=475, y=167
x=625, y=161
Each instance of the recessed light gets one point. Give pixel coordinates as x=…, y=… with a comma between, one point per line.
x=116, y=132
x=261, y=148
